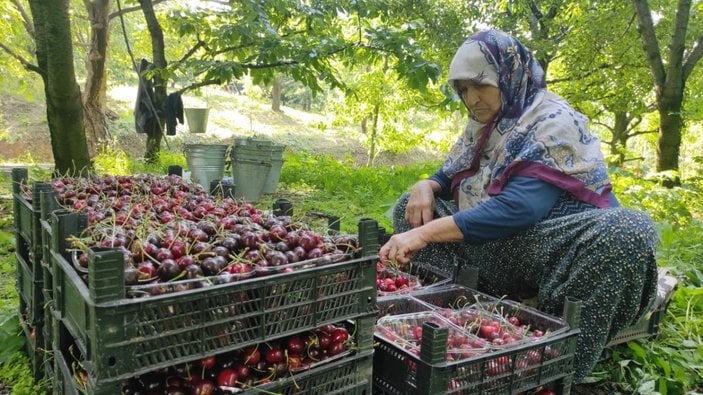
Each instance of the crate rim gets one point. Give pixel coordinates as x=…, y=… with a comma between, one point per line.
x=173, y=297
x=493, y=354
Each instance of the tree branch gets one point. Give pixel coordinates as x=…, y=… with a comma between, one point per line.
x=27, y=64
x=26, y=20
x=237, y=47
x=649, y=41
x=693, y=57
x=535, y=10
x=633, y=159
x=633, y=134
x=552, y=13
x=678, y=38
x=188, y=54
x=127, y=10
x=603, y=124
x=634, y=122
x=199, y=85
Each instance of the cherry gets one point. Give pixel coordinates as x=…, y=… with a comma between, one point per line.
x=251, y=355
x=227, y=378
x=274, y=355
x=336, y=348
x=208, y=362
x=295, y=345
x=514, y=321
x=204, y=387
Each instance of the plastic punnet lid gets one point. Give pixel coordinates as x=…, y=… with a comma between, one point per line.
x=405, y=331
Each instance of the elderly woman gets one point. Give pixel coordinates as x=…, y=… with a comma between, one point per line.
x=524, y=195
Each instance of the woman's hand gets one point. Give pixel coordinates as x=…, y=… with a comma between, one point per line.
x=420, y=208
x=401, y=247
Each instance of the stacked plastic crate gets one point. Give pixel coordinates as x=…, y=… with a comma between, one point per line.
x=434, y=342
x=102, y=338
x=29, y=275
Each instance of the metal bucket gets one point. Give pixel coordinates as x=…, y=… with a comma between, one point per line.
x=206, y=162
x=197, y=119
x=276, y=165
x=251, y=165
x=249, y=176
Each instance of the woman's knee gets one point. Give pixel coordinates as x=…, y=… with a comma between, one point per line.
x=399, y=222
x=629, y=229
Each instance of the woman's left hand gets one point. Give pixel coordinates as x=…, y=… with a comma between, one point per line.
x=401, y=247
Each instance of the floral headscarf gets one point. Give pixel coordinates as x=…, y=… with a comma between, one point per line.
x=536, y=132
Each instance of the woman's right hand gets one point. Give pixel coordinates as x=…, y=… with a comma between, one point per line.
x=420, y=208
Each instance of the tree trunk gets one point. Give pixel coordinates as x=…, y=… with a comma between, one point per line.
x=670, y=126
x=153, y=139
x=307, y=101
x=64, y=110
x=276, y=91
x=620, y=136
x=373, y=135
x=95, y=95
x=669, y=77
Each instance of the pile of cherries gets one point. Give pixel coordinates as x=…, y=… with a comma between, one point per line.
x=390, y=281
x=171, y=232
x=248, y=367
x=493, y=328
x=472, y=331
x=406, y=331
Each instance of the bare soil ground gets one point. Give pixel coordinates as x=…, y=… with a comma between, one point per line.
x=24, y=135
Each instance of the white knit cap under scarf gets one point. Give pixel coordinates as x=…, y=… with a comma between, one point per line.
x=474, y=64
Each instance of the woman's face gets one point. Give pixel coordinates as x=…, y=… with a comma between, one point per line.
x=482, y=100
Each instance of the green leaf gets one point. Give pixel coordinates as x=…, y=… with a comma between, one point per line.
x=689, y=343
x=637, y=349
x=664, y=364
x=647, y=387
x=624, y=362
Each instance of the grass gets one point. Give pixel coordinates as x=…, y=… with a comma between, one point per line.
x=669, y=364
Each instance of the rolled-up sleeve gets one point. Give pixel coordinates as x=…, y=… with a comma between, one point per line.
x=444, y=182
x=522, y=203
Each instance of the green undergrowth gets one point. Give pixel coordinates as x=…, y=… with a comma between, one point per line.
x=316, y=183
x=670, y=364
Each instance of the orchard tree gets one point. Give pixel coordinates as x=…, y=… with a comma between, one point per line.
x=384, y=109
x=93, y=45
x=601, y=71
x=682, y=33
x=101, y=15
x=51, y=26
x=265, y=39
x=541, y=25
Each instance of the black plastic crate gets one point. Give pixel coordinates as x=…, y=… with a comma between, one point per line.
x=505, y=371
x=350, y=374
x=24, y=214
x=122, y=337
x=457, y=296
x=29, y=287
x=26, y=207
x=430, y=276
x=35, y=348
x=48, y=205
x=646, y=327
